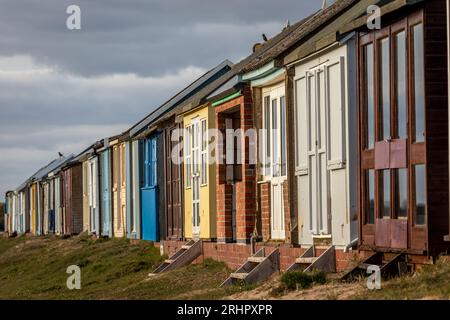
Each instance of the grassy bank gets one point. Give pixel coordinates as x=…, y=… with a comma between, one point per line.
x=35, y=268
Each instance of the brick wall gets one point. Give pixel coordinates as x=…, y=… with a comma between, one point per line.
x=265, y=210
x=234, y=255
x=245, y=193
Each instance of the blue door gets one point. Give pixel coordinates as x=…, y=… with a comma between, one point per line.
x=106, y=194
x=149, y=191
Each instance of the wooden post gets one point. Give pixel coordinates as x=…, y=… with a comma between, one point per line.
x=447, y=237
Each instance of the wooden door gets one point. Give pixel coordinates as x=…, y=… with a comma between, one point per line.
x=275, y=118
x=195, y=138
x=392, y=127
x=149, y=191
x=106, y=193
x=174, y=203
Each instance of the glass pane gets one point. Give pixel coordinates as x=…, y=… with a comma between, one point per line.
x=385, y=89
x=204, y=174
x=386, y=195
x=401, y=84
x=267, y=128
x=204, y=138
x=419, y=83
x=283, y=135
x=370, y=120
x=420, y=203
x=370, y=176
x=275, y=137
x=402, y=193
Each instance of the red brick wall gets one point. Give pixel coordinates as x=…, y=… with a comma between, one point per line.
x=265, y=210
x=246, y=188
x=234, y=255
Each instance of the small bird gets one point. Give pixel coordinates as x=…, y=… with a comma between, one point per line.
x=264, y=37
x=60, y=154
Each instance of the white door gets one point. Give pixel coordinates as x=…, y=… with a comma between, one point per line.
x=93, y=177
x=275, y=120
x=195, y=143
x=317, y=155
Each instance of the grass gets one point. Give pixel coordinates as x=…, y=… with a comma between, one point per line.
x=35, y=268
x=431, y=282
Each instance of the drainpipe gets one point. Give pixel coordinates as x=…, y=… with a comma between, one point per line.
x=447, y=237
x=352, y=244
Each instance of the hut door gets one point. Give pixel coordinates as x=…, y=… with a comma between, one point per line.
x=275, y=122
x=393, y=138
x=106, y=194
x=93, y=185
x=317, y=152
x=149, y=192
x=174, y=191
x=195, y=178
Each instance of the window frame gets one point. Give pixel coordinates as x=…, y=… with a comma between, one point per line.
x=415, y=151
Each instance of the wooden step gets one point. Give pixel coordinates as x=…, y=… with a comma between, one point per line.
x=239, y=275
x=306, y=260
x=257, y=268
x=256, y=259
x=184, y=256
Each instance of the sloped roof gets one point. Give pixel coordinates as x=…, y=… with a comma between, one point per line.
x=275, y=46
x=181, y=96
x=52, y=166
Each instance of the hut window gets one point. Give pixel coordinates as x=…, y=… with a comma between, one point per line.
x=384, y=86
x=283, y=134
x=369, y=96
x=400, y=74
x=153, y=163
x=370, y=196
x=204, y=173
x=420, y=198
x=188, y=156
x=385, y=182
x=401, y=192
x=419, y=82
x=267, y=135
x=275, y=169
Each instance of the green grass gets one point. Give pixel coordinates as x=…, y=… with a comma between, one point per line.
x=35, y=268
x=431, y=282
x=302, y=280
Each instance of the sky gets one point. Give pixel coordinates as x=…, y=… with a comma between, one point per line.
x=61, y=89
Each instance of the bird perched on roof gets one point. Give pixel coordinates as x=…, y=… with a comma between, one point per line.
x=264, y=37
x=60, y=154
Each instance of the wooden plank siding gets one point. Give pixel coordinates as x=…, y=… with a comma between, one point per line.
x=436, y=99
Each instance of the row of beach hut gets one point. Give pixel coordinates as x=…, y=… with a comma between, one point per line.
x=349, y=121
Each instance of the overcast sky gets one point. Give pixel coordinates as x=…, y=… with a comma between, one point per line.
x=61, y=89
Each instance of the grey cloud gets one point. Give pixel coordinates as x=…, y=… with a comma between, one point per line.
x=142, y=37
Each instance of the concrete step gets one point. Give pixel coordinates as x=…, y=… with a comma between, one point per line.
x=240, y=275
x=307, y=260
x=256, y=259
